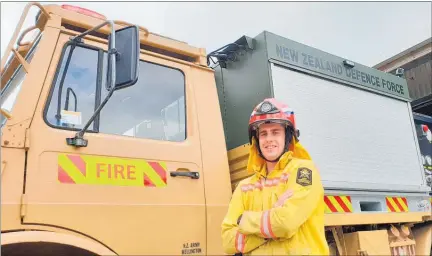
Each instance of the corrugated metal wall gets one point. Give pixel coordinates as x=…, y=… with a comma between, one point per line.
x=419, y=80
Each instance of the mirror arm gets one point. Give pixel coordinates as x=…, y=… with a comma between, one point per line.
x=80, y=134
x=83, y=34
x=78, y=140
x=112, y=53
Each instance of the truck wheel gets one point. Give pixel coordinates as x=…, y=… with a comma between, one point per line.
x=42, y=248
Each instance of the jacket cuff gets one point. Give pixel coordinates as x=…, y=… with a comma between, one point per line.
x=250, y=223
x=257, y=223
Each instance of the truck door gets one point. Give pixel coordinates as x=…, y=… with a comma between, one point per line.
x=118, y=189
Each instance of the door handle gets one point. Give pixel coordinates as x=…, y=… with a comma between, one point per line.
x=192, y=175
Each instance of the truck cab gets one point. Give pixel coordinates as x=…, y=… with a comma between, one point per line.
x=153, y=177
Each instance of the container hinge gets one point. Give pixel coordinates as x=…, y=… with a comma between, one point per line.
x=23, y=205
x=27, y=139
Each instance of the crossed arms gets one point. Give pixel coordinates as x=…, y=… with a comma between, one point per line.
x=244, y=231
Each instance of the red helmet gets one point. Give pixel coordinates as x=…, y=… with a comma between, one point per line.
x=272, y=111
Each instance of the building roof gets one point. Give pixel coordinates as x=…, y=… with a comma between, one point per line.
x=404, y=53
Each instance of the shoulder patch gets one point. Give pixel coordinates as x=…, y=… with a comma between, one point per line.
x=304, y=176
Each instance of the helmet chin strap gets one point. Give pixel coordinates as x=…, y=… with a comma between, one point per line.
x=287, y=142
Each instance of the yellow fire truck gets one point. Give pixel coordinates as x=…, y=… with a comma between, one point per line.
x=119, y=141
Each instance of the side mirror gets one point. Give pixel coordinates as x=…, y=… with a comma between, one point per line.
x=127, y=56
x=123, y=68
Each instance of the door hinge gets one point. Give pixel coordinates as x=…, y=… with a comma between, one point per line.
x=27, y=139
x=3, y=166
x=23, y=205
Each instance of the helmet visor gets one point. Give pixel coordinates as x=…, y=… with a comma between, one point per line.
x=257, y=124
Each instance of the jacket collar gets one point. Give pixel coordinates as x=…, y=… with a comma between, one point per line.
x=257, y=165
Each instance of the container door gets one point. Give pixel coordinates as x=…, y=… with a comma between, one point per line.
x=358, y=139
x=119, y=189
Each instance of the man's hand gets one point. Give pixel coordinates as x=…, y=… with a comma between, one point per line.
x=279, y=203
x=283, y=198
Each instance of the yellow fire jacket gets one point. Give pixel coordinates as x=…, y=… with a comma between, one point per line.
x=282, y=213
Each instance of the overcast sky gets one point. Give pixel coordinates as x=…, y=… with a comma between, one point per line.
x=364, y=32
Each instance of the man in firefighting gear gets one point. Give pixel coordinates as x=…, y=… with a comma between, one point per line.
x=279, y=210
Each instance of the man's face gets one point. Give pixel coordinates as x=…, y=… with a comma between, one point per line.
x=271, y=140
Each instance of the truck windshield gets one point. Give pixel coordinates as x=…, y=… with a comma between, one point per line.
x=13, y=87
x=153, y=108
